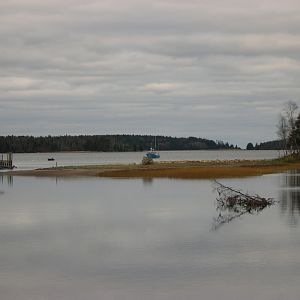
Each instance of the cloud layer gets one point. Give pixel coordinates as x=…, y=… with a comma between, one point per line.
x=217, y=69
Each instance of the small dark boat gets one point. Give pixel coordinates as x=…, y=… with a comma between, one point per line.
x=51, y=159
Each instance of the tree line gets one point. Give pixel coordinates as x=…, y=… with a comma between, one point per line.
x=288, y=128
x=288, y=132
x=270, y=145
x=105, y=143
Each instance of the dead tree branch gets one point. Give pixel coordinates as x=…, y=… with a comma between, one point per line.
x=233, y=203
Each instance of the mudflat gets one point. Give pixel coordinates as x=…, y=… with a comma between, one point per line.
x=172, y=169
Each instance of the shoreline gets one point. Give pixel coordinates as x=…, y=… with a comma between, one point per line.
x=171, y=169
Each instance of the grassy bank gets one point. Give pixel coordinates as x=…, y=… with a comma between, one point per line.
x=174, y=169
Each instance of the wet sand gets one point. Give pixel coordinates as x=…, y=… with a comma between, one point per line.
x=174, y=169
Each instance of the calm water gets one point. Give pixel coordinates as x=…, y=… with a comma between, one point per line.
x=145, y=239
x=40, y=160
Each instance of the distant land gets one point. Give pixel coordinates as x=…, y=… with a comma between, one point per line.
x=105, y=143
x=118, y=143
x=270, y=145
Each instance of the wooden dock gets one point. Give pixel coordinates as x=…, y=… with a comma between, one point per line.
x=6, y=163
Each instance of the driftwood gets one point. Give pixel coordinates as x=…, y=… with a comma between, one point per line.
x=232, y=203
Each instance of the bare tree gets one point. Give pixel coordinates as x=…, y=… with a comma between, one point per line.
x=290, y=112
x=291, y=109
x=286, y=125
x=283, y=132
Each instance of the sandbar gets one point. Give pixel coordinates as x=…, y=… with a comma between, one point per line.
x=171, y=169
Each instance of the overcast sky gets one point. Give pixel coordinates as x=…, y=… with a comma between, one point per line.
x=220, y=69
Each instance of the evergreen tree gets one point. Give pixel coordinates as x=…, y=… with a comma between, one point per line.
x=294, y=137
x=250, y=146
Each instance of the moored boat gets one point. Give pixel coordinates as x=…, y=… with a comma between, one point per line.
x=153, y=153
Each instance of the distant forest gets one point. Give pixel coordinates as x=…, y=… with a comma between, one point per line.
x=105, y=143
x=271, y=145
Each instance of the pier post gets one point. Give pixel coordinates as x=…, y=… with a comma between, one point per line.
x=6, y=163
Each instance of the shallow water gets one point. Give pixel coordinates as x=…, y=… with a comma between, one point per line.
x=145, y=239
x=40, y=160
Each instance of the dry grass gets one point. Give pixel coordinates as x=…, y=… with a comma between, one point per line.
x=177, y=169
x=205, y=172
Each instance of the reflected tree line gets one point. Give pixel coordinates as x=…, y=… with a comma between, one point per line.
x=290, y=196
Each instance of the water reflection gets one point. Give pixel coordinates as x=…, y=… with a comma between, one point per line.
x=290, y=196
x=7, y=179
x=147, y=181
x=91, y=238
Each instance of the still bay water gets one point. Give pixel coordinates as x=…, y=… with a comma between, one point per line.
x=91, y=238
x=40, y=160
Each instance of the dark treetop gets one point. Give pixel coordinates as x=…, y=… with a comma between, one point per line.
x=105, y=143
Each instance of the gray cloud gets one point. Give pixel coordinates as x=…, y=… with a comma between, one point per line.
x=160, y=67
